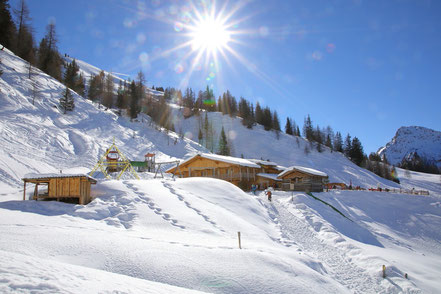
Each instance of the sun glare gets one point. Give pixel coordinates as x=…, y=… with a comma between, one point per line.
x=209, y=35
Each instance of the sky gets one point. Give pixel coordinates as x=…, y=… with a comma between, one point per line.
x=363, y=67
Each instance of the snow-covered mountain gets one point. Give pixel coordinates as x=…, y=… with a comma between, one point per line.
x=155, y=235
x=412, y=140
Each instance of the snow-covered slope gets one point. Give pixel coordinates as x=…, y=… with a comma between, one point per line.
x=407, y=140
x=39, y=138
x=155, y=235
x=286, y=150
x=88, y=70
x=184, y=233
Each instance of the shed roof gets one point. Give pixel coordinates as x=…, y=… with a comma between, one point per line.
x=263, y=162
x=227, y=159
x=269, y=176
x=303, y=169
x=34, y=176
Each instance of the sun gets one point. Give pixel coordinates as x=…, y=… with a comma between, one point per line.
x=209, y=34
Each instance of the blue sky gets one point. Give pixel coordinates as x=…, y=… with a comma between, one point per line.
x=363, y=67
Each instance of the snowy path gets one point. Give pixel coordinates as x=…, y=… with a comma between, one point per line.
x=336, y=262
x=180, y=197
x=153, y=206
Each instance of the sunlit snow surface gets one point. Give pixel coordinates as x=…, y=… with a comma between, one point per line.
x=153, y=235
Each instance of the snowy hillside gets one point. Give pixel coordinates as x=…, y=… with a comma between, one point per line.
x=167, y=236
x=87, y=70
x=40, y=138
x=407, y=140
x=286, y=150
x=258, y=143
x=184, y=233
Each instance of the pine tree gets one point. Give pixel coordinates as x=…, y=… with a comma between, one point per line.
x=356, y=151
x=328, y=142
x=24, y=46
x=200, y=136
x=308, y=131
x=67, y=101
x=338, y=142
x=49, y=59
x=268, y=119
x=120, y=96
x=134, y=100
x=347, y=146
x=7, y=27
x=96, y=87
x=73, y=79
x=223, y=144
x=258, y=114
x=108, y=92
x=288, y=127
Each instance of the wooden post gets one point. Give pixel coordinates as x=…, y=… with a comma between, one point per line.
x=24, y=191
x=238, y=235
x=384, y=271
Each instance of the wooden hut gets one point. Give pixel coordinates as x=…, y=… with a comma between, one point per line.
x=61, y=187
x=299, y=178
x=232, y=169
x=267, y=180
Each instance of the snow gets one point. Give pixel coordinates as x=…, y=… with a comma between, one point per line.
x=269, y=176
x=55, y=175
x=88, y=70
x=426, y=142
x=180, y=235
x=263, y=162
x=307, y=170
x=227, y=159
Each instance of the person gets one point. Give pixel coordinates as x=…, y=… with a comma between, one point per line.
x=254, y=188
x=269, y=194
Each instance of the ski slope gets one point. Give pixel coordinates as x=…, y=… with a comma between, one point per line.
x=167, y=236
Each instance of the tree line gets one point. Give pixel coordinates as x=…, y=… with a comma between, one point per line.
x=16, y=33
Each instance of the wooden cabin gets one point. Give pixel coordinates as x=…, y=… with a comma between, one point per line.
x=231, y=169
x=267, y=180
x=73, y=188
x=299, y=178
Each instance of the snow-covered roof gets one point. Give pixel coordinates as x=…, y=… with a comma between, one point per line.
x=269, y=176
x=307, y=170
x=263, y=162
x=227, y=159
x=34, y=176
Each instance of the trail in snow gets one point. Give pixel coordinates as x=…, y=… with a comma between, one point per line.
x=153, y=206
x=181, y=197
x=336, y=262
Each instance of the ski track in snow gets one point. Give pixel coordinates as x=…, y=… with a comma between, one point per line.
x=272, y=213
x=199, y=212
x=335, y=261
x=151, y=204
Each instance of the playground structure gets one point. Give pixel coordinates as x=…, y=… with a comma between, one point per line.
x=114, y=161
x=147, y=165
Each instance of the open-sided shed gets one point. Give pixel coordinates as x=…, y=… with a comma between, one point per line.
x=64, y=187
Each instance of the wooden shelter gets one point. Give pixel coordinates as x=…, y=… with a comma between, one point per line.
x=267, y=180
x=231, y=169
x=60, y=187
x=299, y=178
